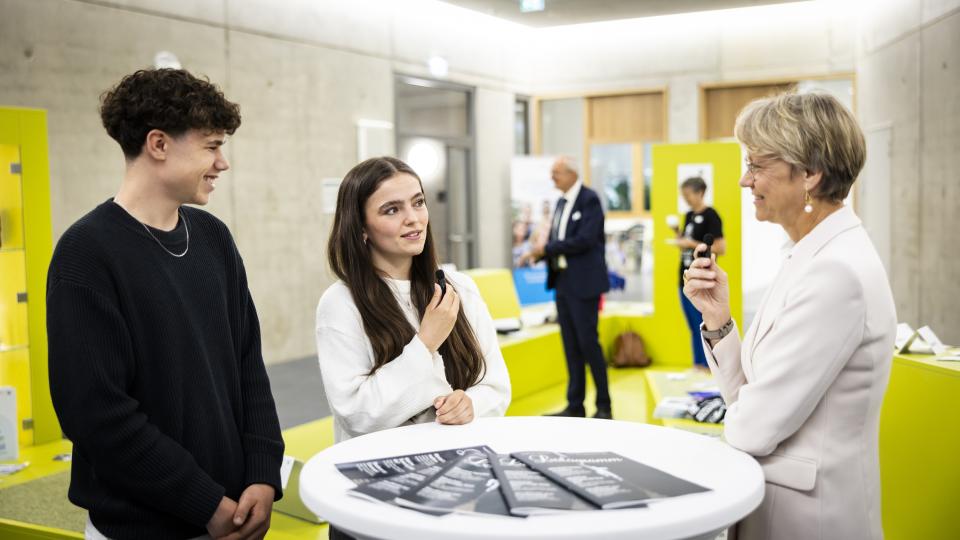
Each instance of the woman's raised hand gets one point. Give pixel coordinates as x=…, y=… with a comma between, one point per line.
x=439, y=318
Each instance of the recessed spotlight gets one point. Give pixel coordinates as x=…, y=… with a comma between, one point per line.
x=438, y=66
x=527, y=6
x=424, y=158
x=166, y=59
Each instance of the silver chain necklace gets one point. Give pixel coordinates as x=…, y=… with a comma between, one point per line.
x=186, y=226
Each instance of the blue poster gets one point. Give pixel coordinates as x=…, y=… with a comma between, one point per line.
x=531, y=284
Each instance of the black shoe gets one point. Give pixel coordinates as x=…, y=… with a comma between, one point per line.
x=571, y=411
x=604, y=414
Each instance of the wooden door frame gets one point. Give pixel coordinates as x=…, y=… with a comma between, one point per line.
x=703, y=87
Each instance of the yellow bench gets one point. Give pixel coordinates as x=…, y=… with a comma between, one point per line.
x=661, y=383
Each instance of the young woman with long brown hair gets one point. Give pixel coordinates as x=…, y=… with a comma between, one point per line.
x=392, y=349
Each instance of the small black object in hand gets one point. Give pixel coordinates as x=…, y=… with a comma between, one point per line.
x=442, y=281
x=708, y=240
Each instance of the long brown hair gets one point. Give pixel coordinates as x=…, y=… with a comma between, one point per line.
x=386, y=326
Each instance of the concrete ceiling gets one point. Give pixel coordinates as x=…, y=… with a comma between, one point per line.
x=561, y=12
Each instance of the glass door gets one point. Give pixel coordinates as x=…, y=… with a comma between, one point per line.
x=427, y=157
x=434, y=122
x=460, y=238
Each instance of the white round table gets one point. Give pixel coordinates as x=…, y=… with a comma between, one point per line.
x=735, y=479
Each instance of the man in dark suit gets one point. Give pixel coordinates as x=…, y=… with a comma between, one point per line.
x=577, y=270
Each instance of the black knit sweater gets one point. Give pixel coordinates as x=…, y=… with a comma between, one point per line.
x=156, y=374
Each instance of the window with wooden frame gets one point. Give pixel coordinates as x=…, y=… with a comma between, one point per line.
x=618, y=127
x=720, y=103
x=617, y=131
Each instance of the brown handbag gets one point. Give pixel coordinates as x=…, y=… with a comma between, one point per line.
x=628, y=351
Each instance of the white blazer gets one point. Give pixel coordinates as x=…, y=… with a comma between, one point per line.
x=805, y=386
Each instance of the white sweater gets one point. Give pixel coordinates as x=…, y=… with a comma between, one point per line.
x=402, y=391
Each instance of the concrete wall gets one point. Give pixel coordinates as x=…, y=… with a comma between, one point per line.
x=908, y=80
x=300, y=103
x=494, y=135
x=680, y=52
x=304, y=71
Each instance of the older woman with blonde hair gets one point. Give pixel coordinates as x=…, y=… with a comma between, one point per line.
x=805, y=385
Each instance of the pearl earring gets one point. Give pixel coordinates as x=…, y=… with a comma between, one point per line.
x=808, y=202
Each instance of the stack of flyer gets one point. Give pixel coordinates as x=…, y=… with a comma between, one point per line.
x=478, y=480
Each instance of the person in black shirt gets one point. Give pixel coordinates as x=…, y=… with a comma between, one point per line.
x=700, y=221
x=155, y=363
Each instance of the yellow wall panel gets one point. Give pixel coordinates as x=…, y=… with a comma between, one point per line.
x=666, y=332
x=11, y=200
x=27, y=130
x=13, y=314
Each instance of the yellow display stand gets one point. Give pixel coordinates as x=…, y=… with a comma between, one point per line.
x=25, y=251
x=661, y=384
x=665, y=332
x=920, y=449
x=497, y=290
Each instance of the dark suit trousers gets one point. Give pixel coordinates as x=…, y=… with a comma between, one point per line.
x=578, y=328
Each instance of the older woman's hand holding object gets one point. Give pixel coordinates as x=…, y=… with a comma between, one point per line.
x=706, y=285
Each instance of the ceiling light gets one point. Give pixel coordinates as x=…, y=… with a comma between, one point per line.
x=438, y=66
x=526, y=6
x=424, y=158
x=166, y=59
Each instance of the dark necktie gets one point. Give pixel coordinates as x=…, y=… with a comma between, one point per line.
x=557, y=216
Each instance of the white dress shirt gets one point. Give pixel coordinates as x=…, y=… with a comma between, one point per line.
x=571, y=197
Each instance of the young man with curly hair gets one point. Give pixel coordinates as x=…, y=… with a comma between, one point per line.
x=156, y=370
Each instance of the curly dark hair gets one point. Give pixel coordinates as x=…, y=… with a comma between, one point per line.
x=171, y=100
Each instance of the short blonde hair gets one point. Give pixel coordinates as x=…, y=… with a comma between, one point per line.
x=812, y=132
